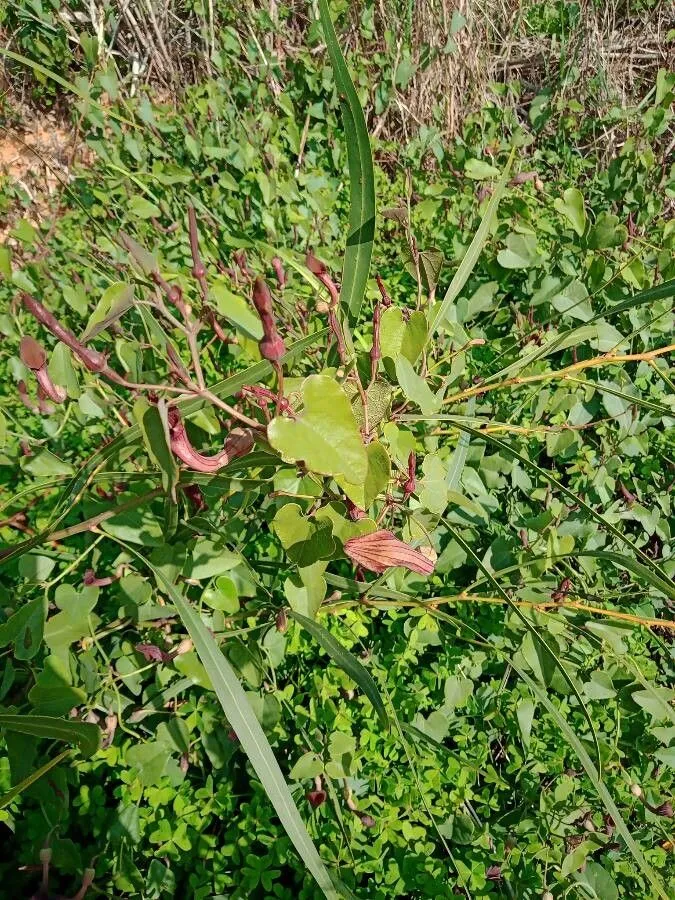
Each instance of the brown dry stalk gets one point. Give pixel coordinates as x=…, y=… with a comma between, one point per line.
x=478, y=598
x=607, y=359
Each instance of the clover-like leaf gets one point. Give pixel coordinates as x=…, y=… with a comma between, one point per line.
x=325, y=436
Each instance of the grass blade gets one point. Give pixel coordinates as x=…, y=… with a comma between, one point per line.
x=7, y=798
x=659, y=576
x=62, y=82
x=85, y=735
x=470, y=258
x=361, y=177
x=533, y=631
x=247, y=728
x=346, y=661
x=458, y=458
x=583, y=757
x=660, y=292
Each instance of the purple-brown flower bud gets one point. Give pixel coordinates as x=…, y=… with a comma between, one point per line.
x=91, y=359
x=271, y=346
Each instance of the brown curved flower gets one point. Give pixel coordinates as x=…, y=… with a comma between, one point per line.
x=272, y=345
x=238, y=442
x=34, y=356
x=382, y=550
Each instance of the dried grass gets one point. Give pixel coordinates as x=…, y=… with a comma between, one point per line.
x=611, y=55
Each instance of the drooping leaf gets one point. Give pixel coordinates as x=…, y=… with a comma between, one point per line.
x=85, y=735
x=471, y=256
x=571, y=206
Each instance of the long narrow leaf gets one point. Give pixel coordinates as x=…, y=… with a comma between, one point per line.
x=346, y=661
x=583, y=757
x=241, y=717
x=664, y=583
x=85, y=735
x=361, y=178
x=7, y=798
x=533, y=631
x=660, y=292
x=470, y=258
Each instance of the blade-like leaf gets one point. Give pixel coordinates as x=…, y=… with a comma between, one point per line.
x=470, y=258
x=660, y=292
x=7, y=798
x=241, y=717
x=85, y=735
x=533, y=631
x=361, y=178
x=580, y=751
x=68, y=85
x=458, y=458
x=346, y=661
x=664, y=583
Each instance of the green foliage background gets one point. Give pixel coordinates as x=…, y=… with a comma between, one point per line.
x=476, y=789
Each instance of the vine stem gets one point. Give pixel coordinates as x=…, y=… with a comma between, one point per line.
x=606, y=359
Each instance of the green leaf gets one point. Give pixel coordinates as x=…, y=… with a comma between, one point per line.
x=520, y=252
x=72, y=622
x=5, y=263
x=24, y=629
x=154, y=427
x=598, y=880
x=305, y=591
x=223, y=596
x=377, y=477
x=573, y=301
x=398, y=337
x=235, y=309
x=242, y=718
x=44, y=464
x=305, y=541
x=208, y=558
x=308, y=766
x=361, y=177
x=571, y=206
x=325, y=436
x=347, y=662
x=607, y=232
x=470, y=258
x=115, y=301
x=480, y=170
x=149, y=760
x=416, y=388
x=83, y=734
x=656, y=701
x=143, y=209
x=430, y=263
x=62, y=371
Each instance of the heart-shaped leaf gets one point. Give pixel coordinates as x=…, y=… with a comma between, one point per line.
x=400, y=337
x=520, y=252
x=571, y=206
x=325, y=436
x=379, y=472
x=607, y=232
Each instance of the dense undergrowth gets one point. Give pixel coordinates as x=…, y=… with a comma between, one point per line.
x=544, y=464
